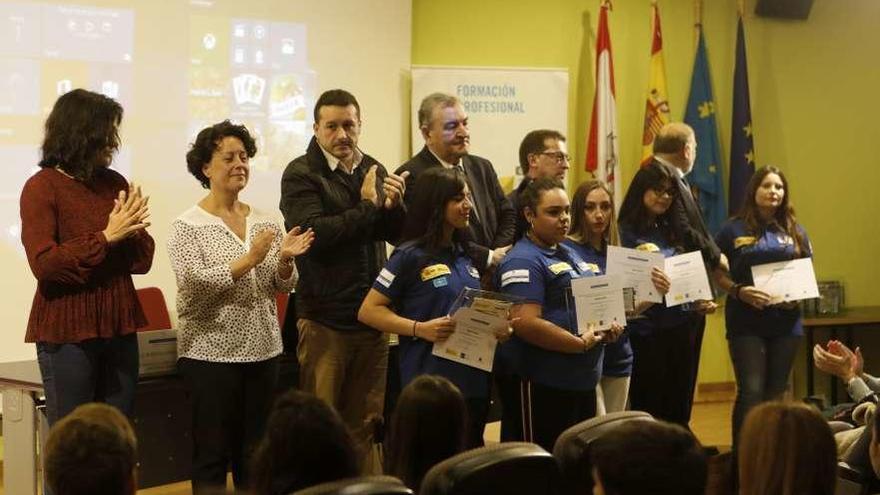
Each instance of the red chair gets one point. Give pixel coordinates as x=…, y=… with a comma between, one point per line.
x=281, y=301
x=153, y=303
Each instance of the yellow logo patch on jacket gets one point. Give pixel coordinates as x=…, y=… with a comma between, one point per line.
x=746, y=240
x=560, y=267
x=649, y=247
x=434, y=271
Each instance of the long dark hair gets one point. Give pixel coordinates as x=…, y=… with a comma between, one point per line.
x=786, y=448
x=579, y=231
x=428, y=426
x=784, y=215
x=634, y=215
x=305, y=443
x=427, y=215
x=81, y=127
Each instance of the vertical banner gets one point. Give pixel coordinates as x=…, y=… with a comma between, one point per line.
x=502, y=105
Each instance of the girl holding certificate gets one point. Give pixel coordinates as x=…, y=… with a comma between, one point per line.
x=413, y=293
x=593, y=228
x=559, y=368
x=762, y=338
x=664, y=355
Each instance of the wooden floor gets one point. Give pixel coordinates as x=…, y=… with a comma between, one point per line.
x=710, y=423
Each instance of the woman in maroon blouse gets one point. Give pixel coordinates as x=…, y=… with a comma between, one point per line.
x=84, y=231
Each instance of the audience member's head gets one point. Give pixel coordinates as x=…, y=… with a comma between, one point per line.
x=786, y=448
x=306, y=443
x=91, y=451
x=428, y=427
x=874, y=446
x=648, y=457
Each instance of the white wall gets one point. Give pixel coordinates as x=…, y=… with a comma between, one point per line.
x=363, y=46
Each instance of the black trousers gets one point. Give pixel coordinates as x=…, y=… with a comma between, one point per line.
x=509, y=391
x=664, y=371
x=549, y=411
x=477, y=410
x=231, y=403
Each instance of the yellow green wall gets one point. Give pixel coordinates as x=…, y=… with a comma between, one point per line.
x=814, y=87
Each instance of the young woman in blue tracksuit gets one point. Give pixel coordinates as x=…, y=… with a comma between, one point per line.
x=593, y=228
x=663, y=347
x=413, y=294
x=559, y=366
x=762, y=337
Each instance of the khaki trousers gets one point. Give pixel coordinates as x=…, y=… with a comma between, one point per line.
x=348, y=371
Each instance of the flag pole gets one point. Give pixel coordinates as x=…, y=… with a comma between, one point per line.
x=698, y=21
x=740, y=7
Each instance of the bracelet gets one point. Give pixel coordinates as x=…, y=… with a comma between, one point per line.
x=414, y=328
x=734, y=290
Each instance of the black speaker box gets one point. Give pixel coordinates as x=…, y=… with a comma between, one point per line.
x=784, y=9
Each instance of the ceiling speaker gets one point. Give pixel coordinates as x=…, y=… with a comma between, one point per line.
x=784, y=9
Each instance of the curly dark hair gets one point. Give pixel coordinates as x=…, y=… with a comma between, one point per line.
x=433, y=190
x=81, y=129
x=207, y=141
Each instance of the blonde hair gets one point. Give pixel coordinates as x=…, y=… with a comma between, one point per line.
x=579, y=231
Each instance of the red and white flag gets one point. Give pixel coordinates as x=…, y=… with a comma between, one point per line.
x=603, y=150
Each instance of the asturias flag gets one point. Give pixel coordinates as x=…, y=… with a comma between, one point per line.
x=603, y=152
x=742, y=146
x=657, y=101
x=700, y=115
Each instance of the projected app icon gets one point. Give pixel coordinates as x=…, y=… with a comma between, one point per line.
x=63, y=86
x=209, y=41
x=259, y=31
x=248, y=89
x=259, y=57
x=238, y=31
x=288, y=46
x=238, y=55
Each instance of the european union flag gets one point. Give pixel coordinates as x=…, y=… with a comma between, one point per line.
x=742, y=146
x=700, y=115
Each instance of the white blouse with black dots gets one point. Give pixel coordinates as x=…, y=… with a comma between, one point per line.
x=222, y=320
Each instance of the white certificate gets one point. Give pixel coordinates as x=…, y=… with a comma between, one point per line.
x=634, y=268
x=786, y=280
x=687, y=272
x=598, y=302
x=473, y=341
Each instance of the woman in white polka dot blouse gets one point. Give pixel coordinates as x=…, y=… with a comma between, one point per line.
x=230, y=260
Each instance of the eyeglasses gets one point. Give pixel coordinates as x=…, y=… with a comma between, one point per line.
x=558, y=156
x=671, y=191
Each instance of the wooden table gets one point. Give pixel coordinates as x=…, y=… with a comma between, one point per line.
x=161, y=421
x=848, y=320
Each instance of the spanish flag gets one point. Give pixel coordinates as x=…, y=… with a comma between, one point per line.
x=657, y=101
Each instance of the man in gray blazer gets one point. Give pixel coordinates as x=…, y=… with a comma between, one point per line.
x=444, y=126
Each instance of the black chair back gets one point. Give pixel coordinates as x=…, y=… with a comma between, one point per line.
x=364, y=485
x=512, y=468
x=572, y=449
